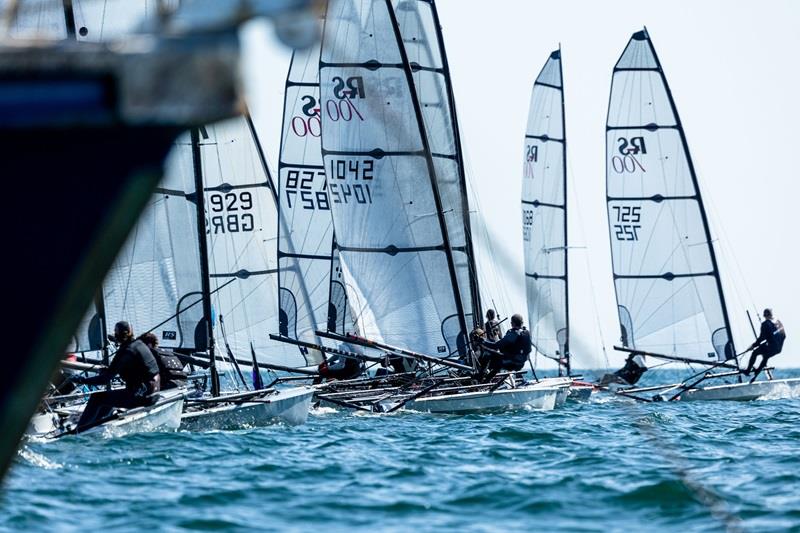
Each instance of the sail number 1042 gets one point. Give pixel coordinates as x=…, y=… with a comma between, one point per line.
x=628, y=218
x=350, y=180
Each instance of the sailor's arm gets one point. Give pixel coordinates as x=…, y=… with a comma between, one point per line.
x=762, y=336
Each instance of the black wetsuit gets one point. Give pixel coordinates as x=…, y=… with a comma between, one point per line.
x=340, y=367
x=632, y=371
x=770, y=341
x=515, y=346
x=137, y=367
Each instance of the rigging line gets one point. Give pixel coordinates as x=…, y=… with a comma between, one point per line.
x=726, y=243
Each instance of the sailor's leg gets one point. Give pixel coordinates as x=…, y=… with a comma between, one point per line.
x=752, y=361
x=96, y=409
x=764, y=360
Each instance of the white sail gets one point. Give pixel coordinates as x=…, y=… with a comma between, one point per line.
x=242, y=230
x=544, y=213
x=390, y=228
x=667, y=282
x=420, y=30
x=305, y=244
x=85, y=20
x=155, y=281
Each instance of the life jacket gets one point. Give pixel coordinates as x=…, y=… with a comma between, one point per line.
x=776, y=340
x=171, y=369
x=526, y=345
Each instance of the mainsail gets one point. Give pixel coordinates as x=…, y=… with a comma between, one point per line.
x=669, y=293
x=544, y=215
x=420, y=29
x=305, y=244
x=386, y=204
x=156, y=282
x=242, y=228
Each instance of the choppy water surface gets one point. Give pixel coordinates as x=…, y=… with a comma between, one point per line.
x=606, y=464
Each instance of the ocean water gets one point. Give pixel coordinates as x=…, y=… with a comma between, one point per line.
x=604, y=465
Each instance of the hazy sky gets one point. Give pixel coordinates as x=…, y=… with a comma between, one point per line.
x=733, y=70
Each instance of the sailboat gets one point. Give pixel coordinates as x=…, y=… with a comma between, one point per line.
x=670, y=300
x=544, y=222
x=398, y=198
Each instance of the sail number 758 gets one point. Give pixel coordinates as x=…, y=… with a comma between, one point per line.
x=627, y=218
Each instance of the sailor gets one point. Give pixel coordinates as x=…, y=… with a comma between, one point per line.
x=137, y=367
x=492, y=328
x=170, y=366
x=633, y=369
x=768, y=344
x=510, y=352
x=339, y=367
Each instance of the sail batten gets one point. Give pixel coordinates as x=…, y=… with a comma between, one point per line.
x=668, y=287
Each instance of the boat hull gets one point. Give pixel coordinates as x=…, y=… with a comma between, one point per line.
x=742, y=391
x=561, y=383
x=289, y=406
x=534, y=396
x=164, y=416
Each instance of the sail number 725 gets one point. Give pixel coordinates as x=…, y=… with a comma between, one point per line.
x=627, y=218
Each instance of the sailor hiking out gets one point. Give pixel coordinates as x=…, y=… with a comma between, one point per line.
x=339, y=367
x=768, y=344
x=135, y=364
x=510, y=352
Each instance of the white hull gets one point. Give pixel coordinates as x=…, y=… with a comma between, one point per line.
x=535, y=396
x=289, y=406
x=164, y=415
x=743, y=391
x=562, y=384
x=580, y=393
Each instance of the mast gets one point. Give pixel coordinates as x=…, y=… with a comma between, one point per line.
x=202, y=242
x=69, y=19
x=700, y=203
x=567, y=353
x=477, y=309
x=100, y=307
x=451, y=267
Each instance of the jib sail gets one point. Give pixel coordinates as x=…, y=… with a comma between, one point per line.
x=544, y=214
x=387, y=210
x=668, y=288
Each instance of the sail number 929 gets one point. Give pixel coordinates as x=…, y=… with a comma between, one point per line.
x=230, y=212
x=628, y=220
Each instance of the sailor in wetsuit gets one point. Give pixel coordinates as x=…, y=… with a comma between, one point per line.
x=339, y=367
x=768, y=344
x=513, y=348
x=137, y=367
